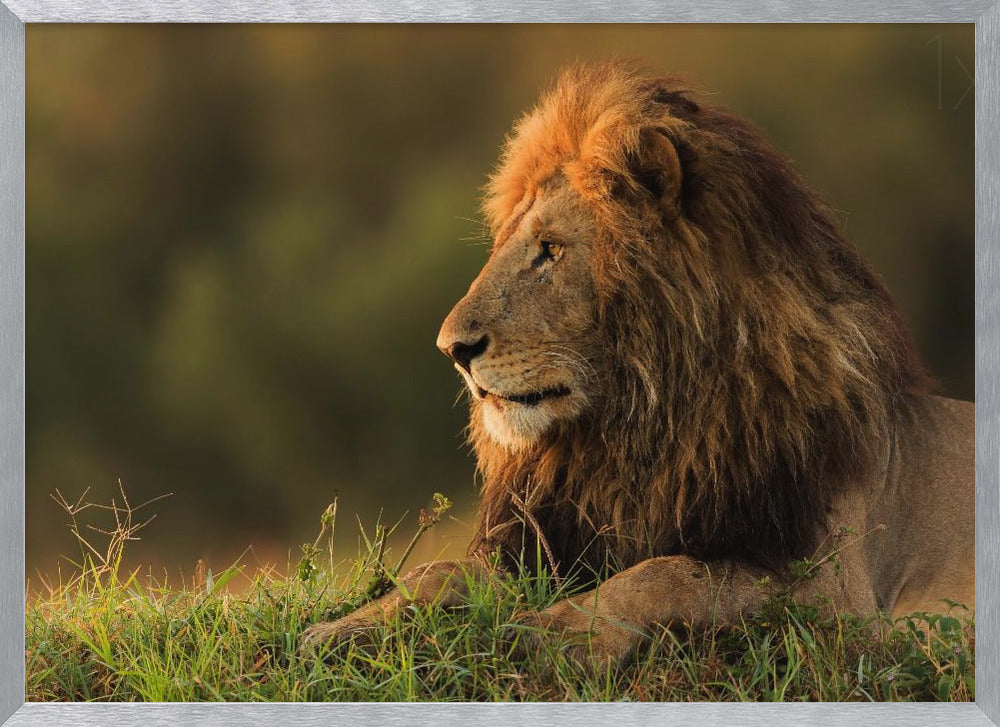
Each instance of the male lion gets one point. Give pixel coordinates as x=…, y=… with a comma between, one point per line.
x=681, y=374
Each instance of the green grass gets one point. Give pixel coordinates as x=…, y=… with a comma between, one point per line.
x=107, y=634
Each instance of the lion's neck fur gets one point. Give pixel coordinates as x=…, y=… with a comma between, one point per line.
x=753, y=360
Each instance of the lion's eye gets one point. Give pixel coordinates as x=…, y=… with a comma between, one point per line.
x=551, y=250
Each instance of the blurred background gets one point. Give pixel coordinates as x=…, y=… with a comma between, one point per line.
x=241, y=242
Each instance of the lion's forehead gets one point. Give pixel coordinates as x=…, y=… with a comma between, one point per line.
x=513, y=224
x=554, y=207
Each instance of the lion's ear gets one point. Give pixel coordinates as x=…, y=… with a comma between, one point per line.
x=657, y=169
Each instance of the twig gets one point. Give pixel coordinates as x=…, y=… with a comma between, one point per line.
x=538, y=533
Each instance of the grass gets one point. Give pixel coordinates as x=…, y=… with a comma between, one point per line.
x=104, y=633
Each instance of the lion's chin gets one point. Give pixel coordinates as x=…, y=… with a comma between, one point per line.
x=515, y=426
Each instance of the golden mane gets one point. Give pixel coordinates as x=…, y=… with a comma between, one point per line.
x=755, y=356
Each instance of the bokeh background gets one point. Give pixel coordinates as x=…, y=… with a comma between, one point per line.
x=241, y=242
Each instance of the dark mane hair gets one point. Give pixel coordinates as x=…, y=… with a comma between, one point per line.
x=756, y=358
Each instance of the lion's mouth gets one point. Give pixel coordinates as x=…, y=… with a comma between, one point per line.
x=531, y=398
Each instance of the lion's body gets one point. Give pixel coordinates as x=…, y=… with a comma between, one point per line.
x=926, y=500
x=680, y=368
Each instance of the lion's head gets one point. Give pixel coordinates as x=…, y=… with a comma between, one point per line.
x=672, y=347
x=523, y=338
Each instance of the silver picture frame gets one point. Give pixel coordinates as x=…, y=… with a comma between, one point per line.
x=985, y=14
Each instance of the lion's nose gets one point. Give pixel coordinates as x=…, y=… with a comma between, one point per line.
x=462, y=353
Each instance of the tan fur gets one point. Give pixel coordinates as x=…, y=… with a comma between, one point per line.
x=683, y=376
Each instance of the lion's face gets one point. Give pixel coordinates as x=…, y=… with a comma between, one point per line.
x=523, y=336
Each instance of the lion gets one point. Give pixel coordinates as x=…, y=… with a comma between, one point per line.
x=683, y=379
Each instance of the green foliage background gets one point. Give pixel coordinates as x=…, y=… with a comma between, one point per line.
x=241, y=242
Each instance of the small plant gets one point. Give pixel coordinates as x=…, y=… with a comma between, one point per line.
x=307, y=568
x=935, y=651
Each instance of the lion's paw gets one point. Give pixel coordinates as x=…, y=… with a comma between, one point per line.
x=578, y=635
x=334, y=634
x=534, y=632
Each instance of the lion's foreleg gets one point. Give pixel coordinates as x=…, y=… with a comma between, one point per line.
x=613, y=619
x=444, y=583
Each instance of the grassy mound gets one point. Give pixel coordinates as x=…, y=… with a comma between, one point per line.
x=107, y=634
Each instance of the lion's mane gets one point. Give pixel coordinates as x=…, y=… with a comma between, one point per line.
x=754, y=359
